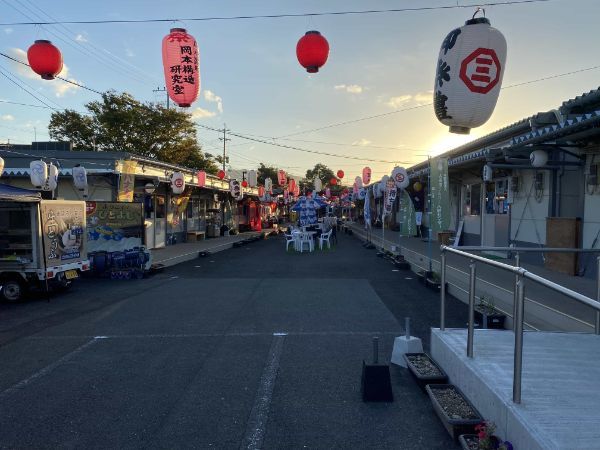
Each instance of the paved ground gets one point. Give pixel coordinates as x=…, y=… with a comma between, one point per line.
x=252, y=347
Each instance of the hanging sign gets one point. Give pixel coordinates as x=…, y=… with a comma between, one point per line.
x=268, y=185
x=126, y=180
x=390, y=197
x=440, y=195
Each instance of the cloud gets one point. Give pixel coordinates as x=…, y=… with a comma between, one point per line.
x=8, y=30
x=210, y=96
x=362, y=142
x=200, y=113
x=60, y=87
x=129, y=53
x=349, y=88
x=7, y=117
x=404, y=100
x=80, y=38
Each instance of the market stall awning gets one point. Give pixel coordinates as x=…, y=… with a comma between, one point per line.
x=17, y=194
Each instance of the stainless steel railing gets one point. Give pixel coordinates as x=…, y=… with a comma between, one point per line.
x=521, y=275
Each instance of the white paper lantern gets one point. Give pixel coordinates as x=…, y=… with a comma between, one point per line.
x=38, y=173
x=400, y=177
x=318, y=184
x=358, y=181
x=80, y=178
x=538, y=158
x=366, y=175
x=1, y=165
x=52, y=180
x=268, y=185
x=177, y=183
x=469, y=74
x=252, y=178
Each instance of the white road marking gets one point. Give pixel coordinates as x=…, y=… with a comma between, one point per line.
x=46, y=370
x=257, y=422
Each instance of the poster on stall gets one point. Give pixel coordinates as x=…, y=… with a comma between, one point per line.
x=181, y=203
x=126, y=180
x=63, y=231
x=114, y=226
x=440, y=195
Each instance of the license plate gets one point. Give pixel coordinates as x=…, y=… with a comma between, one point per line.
x=71, y=274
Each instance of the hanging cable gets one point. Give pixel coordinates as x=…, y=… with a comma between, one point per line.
x=278, y=16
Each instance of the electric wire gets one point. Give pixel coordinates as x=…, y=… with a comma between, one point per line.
x=276, y=16
x=24, y=89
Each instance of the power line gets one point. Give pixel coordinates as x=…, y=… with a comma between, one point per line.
x=290, y=147
x=21, y=87
x=276, y=16
x=25, y=104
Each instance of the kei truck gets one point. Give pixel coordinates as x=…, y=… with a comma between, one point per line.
x=42, y=242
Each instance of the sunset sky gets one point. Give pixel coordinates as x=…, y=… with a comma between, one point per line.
x=251, y=80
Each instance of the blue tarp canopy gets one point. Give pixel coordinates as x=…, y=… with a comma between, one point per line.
x=307, y=207
x=17, y=194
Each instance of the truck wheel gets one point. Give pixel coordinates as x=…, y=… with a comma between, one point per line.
x=12, y=289
x=60, y=282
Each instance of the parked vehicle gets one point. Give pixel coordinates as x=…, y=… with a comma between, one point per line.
x=42, y=242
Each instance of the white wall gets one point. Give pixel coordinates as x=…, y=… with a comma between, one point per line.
x=529, y=216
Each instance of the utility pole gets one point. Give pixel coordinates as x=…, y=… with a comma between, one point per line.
x=164, y=89
x=224, y=139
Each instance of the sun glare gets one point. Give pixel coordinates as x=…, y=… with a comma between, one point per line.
x=449, y=141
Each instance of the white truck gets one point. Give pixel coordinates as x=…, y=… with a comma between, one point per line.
x=42, y=242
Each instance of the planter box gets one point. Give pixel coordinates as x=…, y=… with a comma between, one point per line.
x=424, y=380
x=432, y=284
x=464, y=440
x=455, y=426
x=493, y=321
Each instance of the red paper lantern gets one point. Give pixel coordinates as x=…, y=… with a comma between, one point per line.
x=261, y=191
x=340, y=174
x=312, y=51
x=333, y=181
x=181, y=65
x=45, y=59
x=221, y=174
x=244, y=183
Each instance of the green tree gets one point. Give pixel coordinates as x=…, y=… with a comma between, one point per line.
x=320, y=171
x=266, y=172
x=120, y=123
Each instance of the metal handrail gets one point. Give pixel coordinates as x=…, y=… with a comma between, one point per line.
x=519, y=300
x=527, y=249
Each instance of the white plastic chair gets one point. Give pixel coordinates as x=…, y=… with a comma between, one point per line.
x=325, y=238
x=307, y=239
x=289, y=239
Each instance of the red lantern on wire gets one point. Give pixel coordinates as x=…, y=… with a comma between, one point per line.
x=45, y=59
x=244, y=184
x=312, y=51
x=181, y=63
x=340, y=174
x=221, y=174
x=333, y=181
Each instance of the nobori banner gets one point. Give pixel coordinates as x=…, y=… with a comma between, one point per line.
x=440, y=195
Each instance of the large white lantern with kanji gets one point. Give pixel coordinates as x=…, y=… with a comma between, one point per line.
x=252, y=178
x=177, y=183
x=80, y=178
x=400, y=177
x=38, y=173
x=469, y=73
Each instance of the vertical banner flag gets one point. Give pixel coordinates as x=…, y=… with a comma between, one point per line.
x=390, y=197
x=408, y=225
x=126, y=180
x=367, y=210
x=440, y=195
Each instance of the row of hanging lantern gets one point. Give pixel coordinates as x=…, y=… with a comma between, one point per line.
x=468, y=79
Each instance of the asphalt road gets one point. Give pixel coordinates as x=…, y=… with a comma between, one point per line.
x=247, y=348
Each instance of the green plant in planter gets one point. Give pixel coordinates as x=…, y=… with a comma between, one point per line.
x=436, y=278
x=487, y=439
x=487, y=306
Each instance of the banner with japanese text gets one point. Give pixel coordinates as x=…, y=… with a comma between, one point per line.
x=126, y=181
x=440, y=195
x=408, y=220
